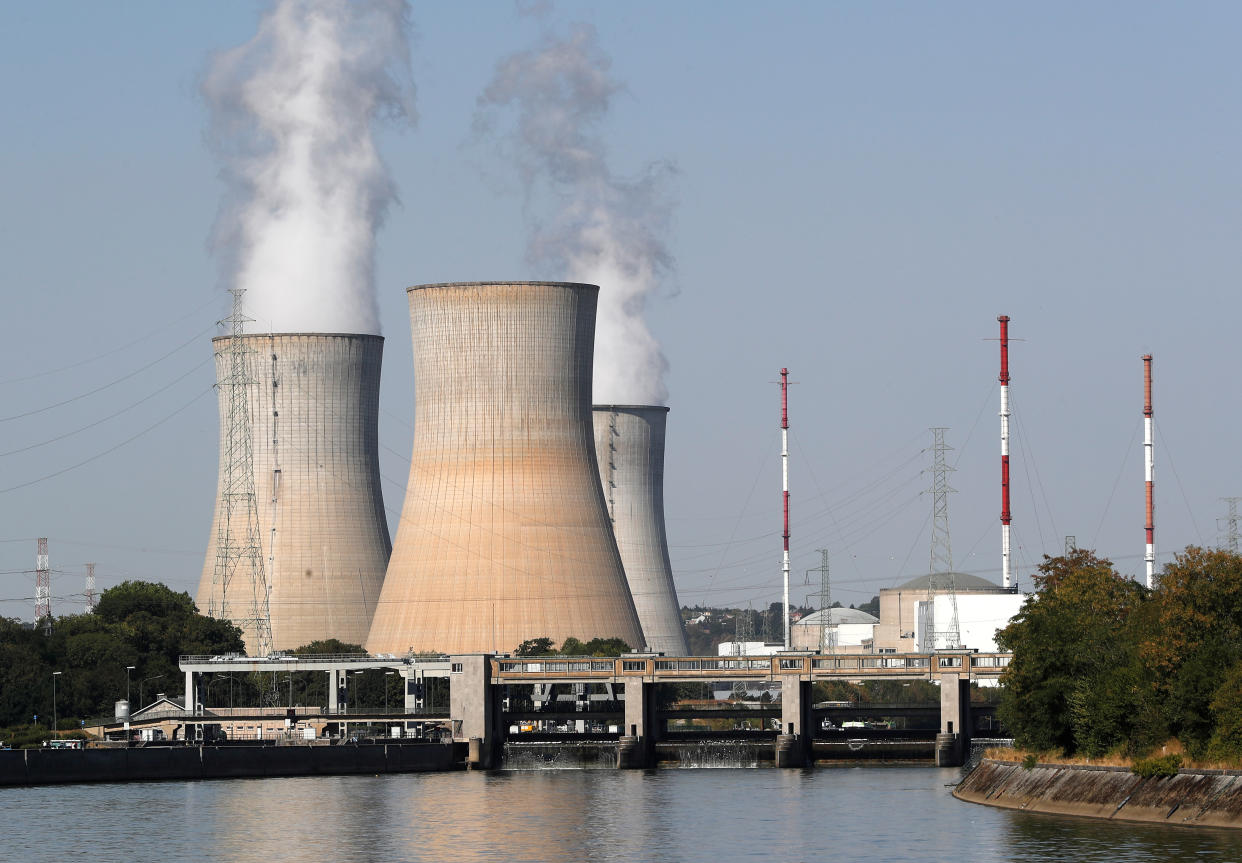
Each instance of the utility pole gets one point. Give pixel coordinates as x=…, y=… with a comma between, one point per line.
x=239, y=550
x=941, y=579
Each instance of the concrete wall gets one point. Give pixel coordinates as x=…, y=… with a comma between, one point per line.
x=629, y=446
x=504, y=534
x=314, y=412
x=1207, y=798
x=53, y=766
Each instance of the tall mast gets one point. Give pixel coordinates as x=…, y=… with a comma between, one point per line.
x=1149, y=470
x=1006, y=578
x=785, y=492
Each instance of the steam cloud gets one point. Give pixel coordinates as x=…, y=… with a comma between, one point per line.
x=602, y=229
x=293, y=112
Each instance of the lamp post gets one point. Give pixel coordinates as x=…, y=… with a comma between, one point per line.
x=143, y=684
x=128, y=669
x=355, y=697
x=387, y=674
x=55, y=674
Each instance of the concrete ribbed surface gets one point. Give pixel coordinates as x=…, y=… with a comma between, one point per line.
x=321, y=518
x=629, y=445
x=503, y=535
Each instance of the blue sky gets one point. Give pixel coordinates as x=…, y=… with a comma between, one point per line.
x=861, y=188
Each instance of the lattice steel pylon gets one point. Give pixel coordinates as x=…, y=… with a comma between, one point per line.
x=941, y=580
x=239, y=549
x=90, y=588
x=827, y=632
x=43, y=589
x=743, y=632
x=1231, y=524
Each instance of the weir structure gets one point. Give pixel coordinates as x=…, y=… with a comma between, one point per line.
x=629, y=445
x=313, y=401
x=504, y=535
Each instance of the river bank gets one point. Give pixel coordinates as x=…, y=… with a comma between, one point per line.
x=1193, y=797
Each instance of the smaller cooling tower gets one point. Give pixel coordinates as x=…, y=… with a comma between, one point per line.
x=629, y=445
x=503, y=535
x=314, y=415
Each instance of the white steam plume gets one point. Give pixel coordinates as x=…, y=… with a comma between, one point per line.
x=292, y=116
x=602, y=229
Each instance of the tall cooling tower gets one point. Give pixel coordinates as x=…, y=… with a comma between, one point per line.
x=629, y=444
x=503, y=536
x=314, y=413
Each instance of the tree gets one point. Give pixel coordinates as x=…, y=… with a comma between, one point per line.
x=1065, y=687
x=535, y=647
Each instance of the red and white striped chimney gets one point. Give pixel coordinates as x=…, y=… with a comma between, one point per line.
x=1006, y=578
x=785, y=492
x=1149, y=471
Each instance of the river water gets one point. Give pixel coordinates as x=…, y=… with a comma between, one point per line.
x=856, y=814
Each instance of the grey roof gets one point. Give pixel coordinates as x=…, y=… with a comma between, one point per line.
x=838, y=615
x=961, y=581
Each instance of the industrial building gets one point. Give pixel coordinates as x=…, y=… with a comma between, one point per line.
x=898, y=629
x=504, y=534
x=629, y=446
x=835, y=630
x=313, y=410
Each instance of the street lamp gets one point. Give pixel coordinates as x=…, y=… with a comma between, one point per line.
x=143, y=684
x=55, y=674
x=387, y=674
x=128, y=669
x=355, y=697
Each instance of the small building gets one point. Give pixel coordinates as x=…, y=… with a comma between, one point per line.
x=837, y=630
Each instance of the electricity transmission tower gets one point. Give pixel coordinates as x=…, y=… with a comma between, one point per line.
x=239, y=590
x=827, y=632
x=941, y=580
x=743, y=632
x=1231, y=524
x=43, y=589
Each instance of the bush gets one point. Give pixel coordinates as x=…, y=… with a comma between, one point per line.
x=1160, y=767
x=1029, y=761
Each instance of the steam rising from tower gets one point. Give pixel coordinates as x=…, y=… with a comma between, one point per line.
x=602, y=229
x=292, y=117
x=504, y=535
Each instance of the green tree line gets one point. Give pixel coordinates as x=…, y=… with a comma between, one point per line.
x=1102, y=664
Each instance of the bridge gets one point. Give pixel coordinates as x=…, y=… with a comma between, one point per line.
x=479, y=710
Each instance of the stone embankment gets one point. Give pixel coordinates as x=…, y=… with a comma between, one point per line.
x=1211, y=798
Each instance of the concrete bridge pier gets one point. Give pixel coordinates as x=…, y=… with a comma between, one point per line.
x=793, y=744
x=953, y=741
x=636, y=748
x=473, y=710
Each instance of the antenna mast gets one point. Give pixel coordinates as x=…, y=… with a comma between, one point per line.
x=1149, y=469
x=43, y=589
x=1006, y=577
x=941, y=579
x=239, y=548
x=785, y=492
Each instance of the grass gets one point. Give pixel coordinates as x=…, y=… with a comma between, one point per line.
x=1111, y=759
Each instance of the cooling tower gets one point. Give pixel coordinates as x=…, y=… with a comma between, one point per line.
x=629, y=444
x=503, y=535
x=314, y=411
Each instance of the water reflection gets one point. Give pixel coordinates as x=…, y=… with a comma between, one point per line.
x=866, y=815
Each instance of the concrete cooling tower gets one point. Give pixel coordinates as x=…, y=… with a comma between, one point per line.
x=629, y=444
x=314, y=412
x=503, y=536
